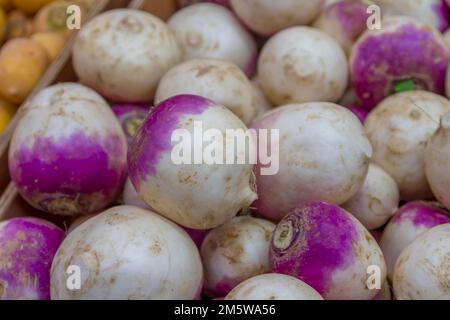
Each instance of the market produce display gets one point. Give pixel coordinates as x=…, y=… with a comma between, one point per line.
x=226, y=150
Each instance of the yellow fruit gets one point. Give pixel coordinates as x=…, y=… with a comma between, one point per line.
x=2, y=25
x=18, y=25
x=52, y=42
x=7, y=111
x=30, y=6
x=22, y=64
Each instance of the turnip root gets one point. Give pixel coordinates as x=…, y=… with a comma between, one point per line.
x=218, y=80
x=327, y=248
x=302, y=64
x=123, y=54
x=408, y=223
x=208, y=30
x=431, y=12
x=273, y=286
x=130, y=117
x=325, y=157
x=128, y=253
x=376, y=201
x=68, y=152
x=422, y=270
x=263, y=105
x=399, y=129
x=203, y=195
x=27, y=247
x=234, y=252
x=437, y=162
x=184, y=3
x=344, y=21
x=403, y=50
x=267, y=17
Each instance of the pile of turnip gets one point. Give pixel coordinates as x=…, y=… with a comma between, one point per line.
x=240, y=150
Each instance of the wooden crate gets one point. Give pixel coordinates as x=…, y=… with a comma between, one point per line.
x=11, y=204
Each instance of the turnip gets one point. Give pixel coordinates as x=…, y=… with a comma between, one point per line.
x=128, y=253
x=123, y=54
x=376, y=201
x=263, y=105
x=197, y=193
x=234, y=252
x=413, y=219
x=432, y=12
x=267, y=17
x=399, y=129
x=324, y=156
x=344, y=21
x=359, y=111
x=184, y=3
x=208, y=30
x=437, y=162
x=27, y=247
x=68, y=153
x=302, y=64
x=327, y=248
x=218, y=80
x=130, y=117
x=446, y=35
x=401, y=51
x=79, y=221
x=273, y=286
x=422, y=270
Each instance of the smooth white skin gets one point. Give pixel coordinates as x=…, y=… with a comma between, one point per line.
x=201, y=196
x=236, y=251
x=396, y=237
x=128, y=253
x=263, y=105
x=421, y=10
x=302, y=64
x=208, y=30
x=376, y=201
x=437, y=162
x=324, y=156
x=123, y=54
x=130, y=196
x=273, y=286
x=422, y=270
x=267, y=17
x=399, y=129
x=59, y=111
x=217, y=80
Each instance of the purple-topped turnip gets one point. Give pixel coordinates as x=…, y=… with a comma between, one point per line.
x=194, y=191
x=324, y=156
x=376, y=201
x=403, y=50
x=410, y=221
x=302, y=64
x=68, y=153
x=422, y=270
x=273, y=286
x=344, y=20
x=399, y=129
x=128, y=253
x=27, y=248
x=130, y=117
x=327, y=248
x=208, y=30
x=123, y=54
x=218, y=80
x=266, y=17
x=234, y=252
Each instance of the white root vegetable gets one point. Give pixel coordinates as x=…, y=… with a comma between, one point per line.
x=131, y=198
x=123, y=53
x=267, y=17
x=302, y=64
x=208, y=30
x=399, y=129
x=217, y=80
x=273, y=286
x=263, y=105
x=376, y=201
x=128, y=253
x=234, y=252
x=422, y=270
